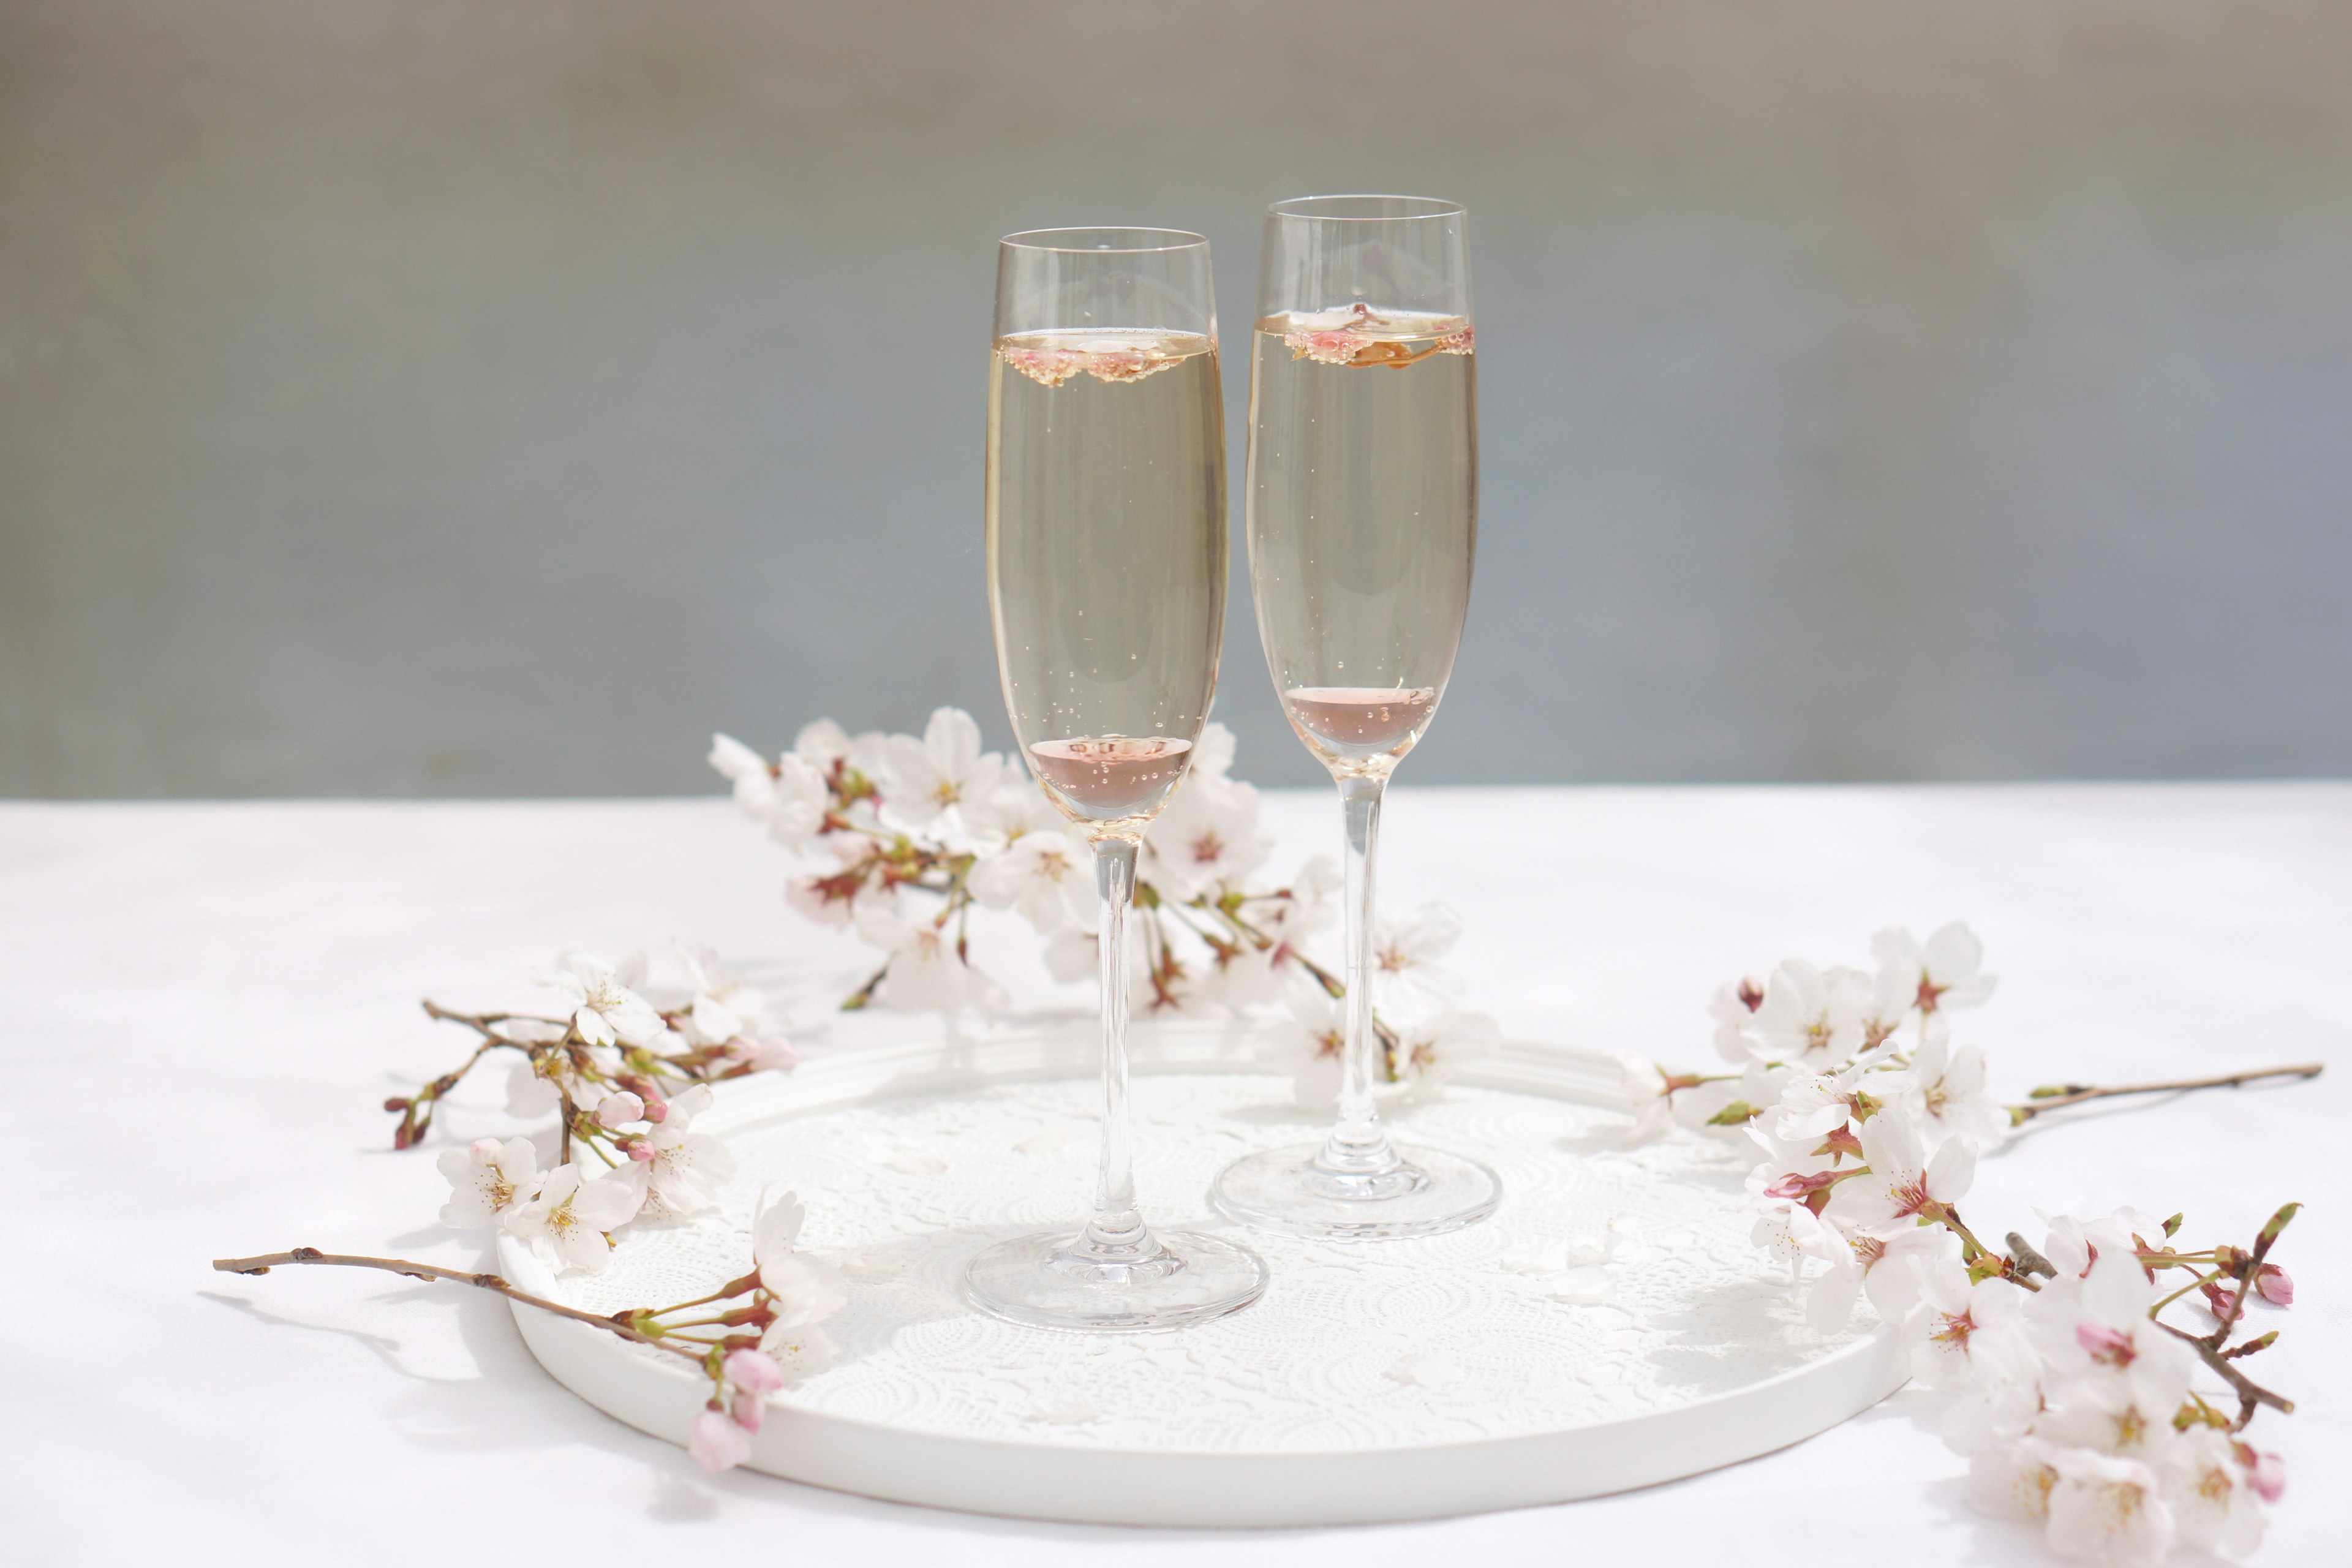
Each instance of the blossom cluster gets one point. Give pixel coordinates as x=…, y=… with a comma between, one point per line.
x=2076, y=1402
x=911, y=834
x=627, y=1077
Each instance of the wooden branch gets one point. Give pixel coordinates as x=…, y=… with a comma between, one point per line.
x=614, y=1325
x=2062, y=1095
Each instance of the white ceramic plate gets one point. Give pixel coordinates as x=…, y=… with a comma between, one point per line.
x=1498, y=1367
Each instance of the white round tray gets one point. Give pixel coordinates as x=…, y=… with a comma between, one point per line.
x=1497, y=1367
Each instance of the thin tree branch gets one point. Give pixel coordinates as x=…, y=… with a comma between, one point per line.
x=2059, y=1096
x=429, y=1272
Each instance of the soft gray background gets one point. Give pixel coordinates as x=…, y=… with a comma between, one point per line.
x=432, y=396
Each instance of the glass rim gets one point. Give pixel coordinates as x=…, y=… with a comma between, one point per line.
x=1030, y=239
x=1431, y=207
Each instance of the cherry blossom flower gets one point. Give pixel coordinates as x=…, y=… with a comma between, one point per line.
x=2107, y=1509
x=1948, y=972
x=1815, y=1104
x=674, y=1169
x=2210, y=1491
x=754, y=1375
x=1947, y=1090
x=1732, y=1006
x=566, y=1222
x=1405, y=954
x=488, y=1180
x=748, y=770
x=717, y=1442
x=1810, y=1017
x=1644, y=1084
x=1048, y=878
x=724, y=1006
x=604, y=1010
x=1885, y=1267
x=920, y=779
x=1962, y=1320
x=2094, y=1332
x=1308, y=1048
x=2013, y=1479
x=800, y=1351
x=1207, y=837
x=1334, y=346
x=1017, y=807
x=1903, y=1185
x=1434, y=1049
x=924, y=973
x=804, y=1290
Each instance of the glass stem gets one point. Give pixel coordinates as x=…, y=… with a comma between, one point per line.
x=1116, y=1234
x=1357, y=1146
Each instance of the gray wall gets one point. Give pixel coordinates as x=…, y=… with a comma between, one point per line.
x=433, y=396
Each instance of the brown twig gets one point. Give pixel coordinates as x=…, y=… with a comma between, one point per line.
x=2250, y=1393
x=429, y=1272
x=2057, y=1096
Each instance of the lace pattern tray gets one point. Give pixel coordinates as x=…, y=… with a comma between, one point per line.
x=1611, y=1327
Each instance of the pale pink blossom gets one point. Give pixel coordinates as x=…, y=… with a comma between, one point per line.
x=752, y=1372
x=488, y=1180
x=1810, y=1017
x=1732, y=1006
x=2215, y=1504
x=925, y=974
x=800, y=1351
x=1048, y=878
x=1956, y=1322
x=1207, y=838
x=920, y=779
x=1945, y=972
x=566, y=1222
x=717, y=1442
x=2107, y=1509
x=683, y=1170
x=1903, y=1185
x=2013, y=1479
x=604, y=1008
x=619, y=1110
x=1405, y=954
x=1947, y=1090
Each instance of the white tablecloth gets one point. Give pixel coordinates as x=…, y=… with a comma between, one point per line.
x=204, y=1005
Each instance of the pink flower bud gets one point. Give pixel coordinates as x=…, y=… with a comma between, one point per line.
x=747, y=1410
x=2266, y=1473
x=764, y=1055
x=2104, y=1343
x=657, y=1111
x=637, y=1149
x=716, y=1443
x=620, y=1108
x=1799, y=1186
x=2274, y=1285
x=755, y=1372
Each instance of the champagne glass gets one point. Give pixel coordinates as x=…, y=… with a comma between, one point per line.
x=1107, y=586
x=1363, y=500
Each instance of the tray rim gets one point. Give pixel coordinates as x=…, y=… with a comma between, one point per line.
x=1188, y=1487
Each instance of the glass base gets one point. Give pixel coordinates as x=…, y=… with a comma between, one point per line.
x=1428, y=1192
x=1049, y=1282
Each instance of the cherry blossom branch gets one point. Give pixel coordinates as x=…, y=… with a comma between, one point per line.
x=616, y=1324
x=2054, y=1097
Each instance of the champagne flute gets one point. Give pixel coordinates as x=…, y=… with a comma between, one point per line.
x=1107, y=586
x=1363, y=499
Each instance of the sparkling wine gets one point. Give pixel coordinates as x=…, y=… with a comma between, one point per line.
x=1362, y=520
x=1361, y=720
x=1107, y=558
x=1114, y=776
